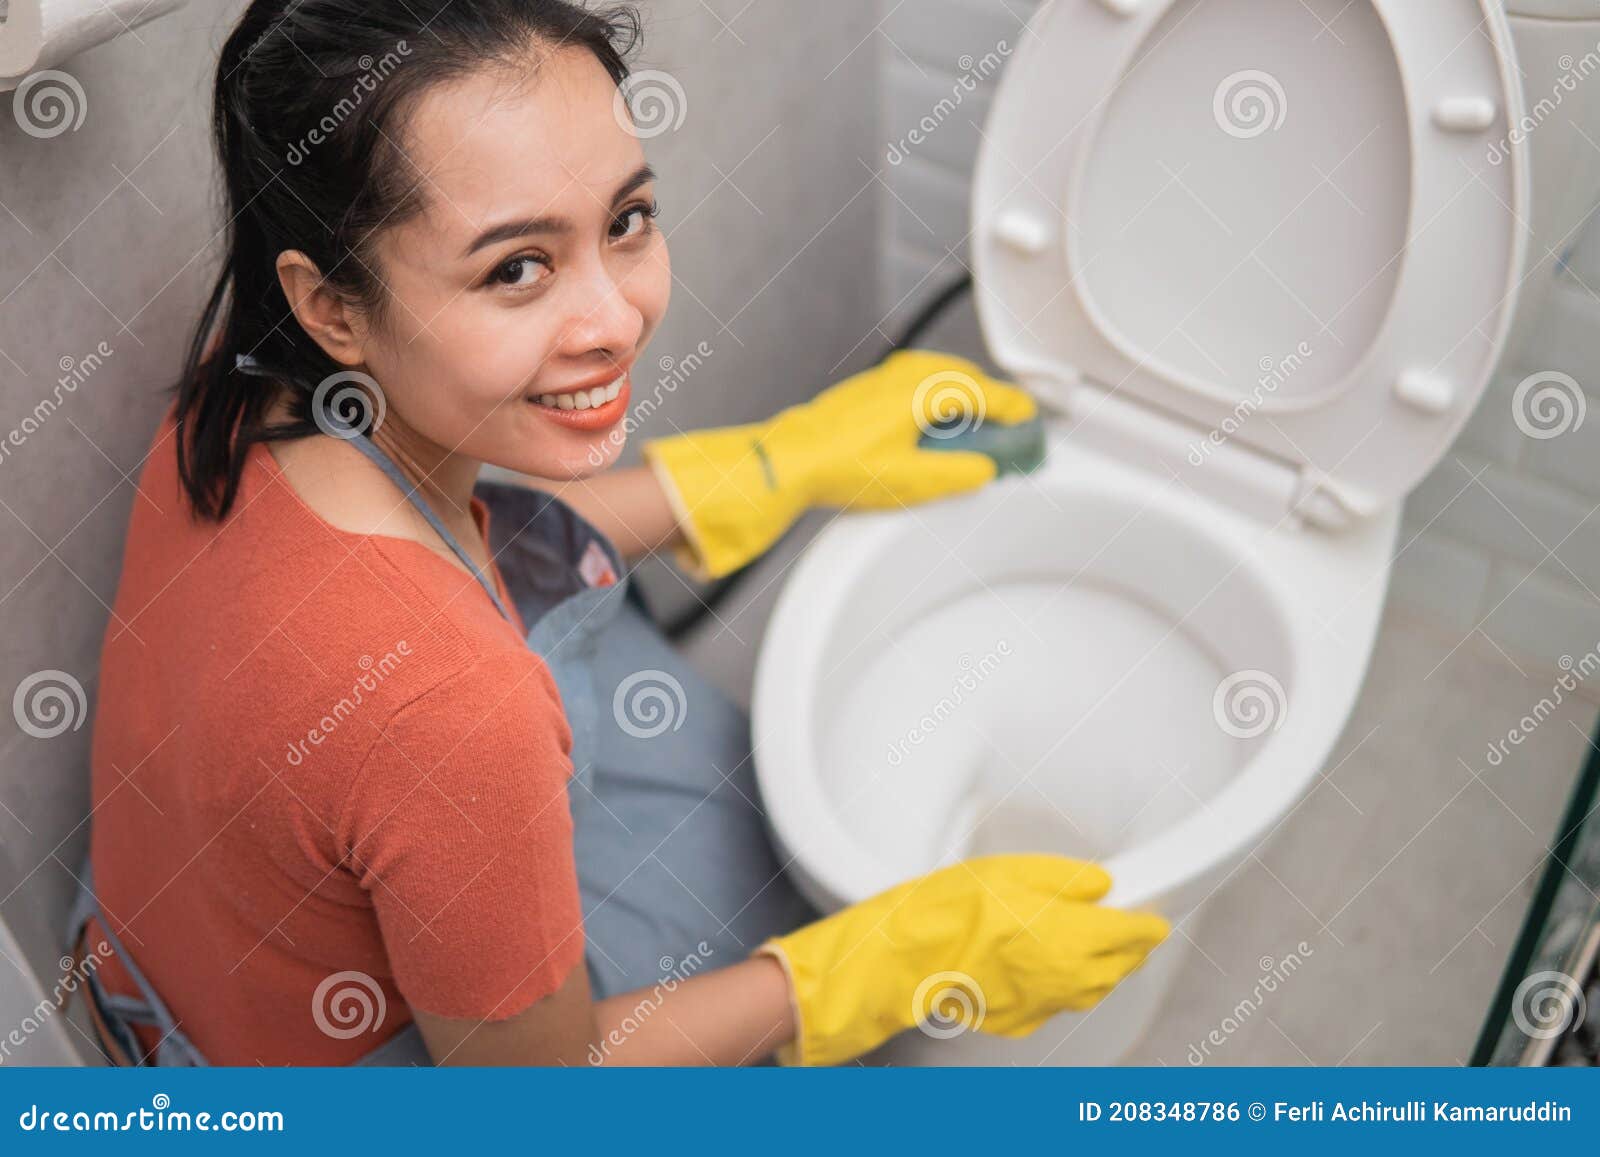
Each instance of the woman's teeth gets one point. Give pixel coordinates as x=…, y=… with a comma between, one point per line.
x=583, y=399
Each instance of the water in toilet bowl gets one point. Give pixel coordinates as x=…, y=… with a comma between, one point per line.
x=1054, y=716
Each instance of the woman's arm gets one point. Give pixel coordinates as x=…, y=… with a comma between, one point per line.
x=627, y=505
x=735, y=1016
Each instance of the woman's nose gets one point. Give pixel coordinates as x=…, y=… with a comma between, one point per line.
x=603, y=318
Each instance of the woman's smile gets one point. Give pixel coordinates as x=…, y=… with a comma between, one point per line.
x=586, y=406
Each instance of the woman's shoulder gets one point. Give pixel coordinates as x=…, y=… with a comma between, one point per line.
x=274, y=605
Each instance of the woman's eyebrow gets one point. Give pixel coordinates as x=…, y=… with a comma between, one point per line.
x=529, y=226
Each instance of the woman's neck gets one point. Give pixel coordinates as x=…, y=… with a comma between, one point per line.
x=444, y=479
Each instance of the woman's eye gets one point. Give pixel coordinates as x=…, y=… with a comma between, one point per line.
x=632, y=221
x=519, y=271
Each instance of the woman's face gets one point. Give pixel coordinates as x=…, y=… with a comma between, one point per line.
x=518, y=301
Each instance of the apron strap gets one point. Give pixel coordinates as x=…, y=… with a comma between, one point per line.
x=383, y=462
x=122, y=1012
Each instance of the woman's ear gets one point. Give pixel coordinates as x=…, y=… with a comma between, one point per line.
x=321, y=311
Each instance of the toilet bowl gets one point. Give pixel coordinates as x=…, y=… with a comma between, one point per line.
x=1253, y=322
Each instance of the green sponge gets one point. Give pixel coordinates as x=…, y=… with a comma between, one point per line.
x=1016, y=448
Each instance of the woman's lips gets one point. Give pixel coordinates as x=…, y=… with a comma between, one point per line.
x=595, y=418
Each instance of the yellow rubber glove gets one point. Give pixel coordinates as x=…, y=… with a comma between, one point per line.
x=736, y=489
x=999, y=943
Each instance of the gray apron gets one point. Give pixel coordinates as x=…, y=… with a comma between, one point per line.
x=675, y=868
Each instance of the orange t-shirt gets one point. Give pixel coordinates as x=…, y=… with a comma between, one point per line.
x=320, y=753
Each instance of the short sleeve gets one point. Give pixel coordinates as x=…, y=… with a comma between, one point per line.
x=459, y=829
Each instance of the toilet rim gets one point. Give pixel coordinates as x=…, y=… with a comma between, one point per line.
x=1266, y=783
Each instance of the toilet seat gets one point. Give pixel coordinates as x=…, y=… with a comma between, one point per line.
x=1137, y=147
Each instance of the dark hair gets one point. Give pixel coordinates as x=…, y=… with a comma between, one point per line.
x=307, y=112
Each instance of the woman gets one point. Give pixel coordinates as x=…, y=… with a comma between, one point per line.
x=355, y=788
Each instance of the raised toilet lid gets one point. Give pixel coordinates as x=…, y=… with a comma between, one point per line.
x=1291, y=227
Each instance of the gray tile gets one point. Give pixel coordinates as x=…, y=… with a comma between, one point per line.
x=1439, y=576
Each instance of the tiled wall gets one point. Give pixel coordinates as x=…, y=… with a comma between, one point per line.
x=1501, y=545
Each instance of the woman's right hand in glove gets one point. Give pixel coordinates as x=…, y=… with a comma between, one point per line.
x=1006, y=942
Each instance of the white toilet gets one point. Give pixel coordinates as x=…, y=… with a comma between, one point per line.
x=1257, y=271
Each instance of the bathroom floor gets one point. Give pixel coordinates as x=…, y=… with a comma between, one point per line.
x=1405, y=872
x=1373, y=926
